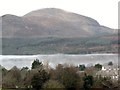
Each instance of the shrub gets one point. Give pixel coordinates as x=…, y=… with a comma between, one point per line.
x=39, y=78
x=67, y=76
x=98, y=66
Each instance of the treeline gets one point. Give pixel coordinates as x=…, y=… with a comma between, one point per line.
x=65, y=77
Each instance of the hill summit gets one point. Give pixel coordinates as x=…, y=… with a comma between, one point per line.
x=51, y=22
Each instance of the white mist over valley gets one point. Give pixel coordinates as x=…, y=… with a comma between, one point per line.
x=8, y=61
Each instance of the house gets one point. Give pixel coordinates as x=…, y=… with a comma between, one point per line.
x=109, y=71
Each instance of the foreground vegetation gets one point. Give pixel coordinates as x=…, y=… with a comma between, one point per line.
x=65, y=77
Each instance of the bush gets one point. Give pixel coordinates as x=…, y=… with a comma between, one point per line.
x=66, y=75
x=98, y=66
x=82, y=67
x=39, y=78
x=12, y=78
x=110, y=63
x=88, y=82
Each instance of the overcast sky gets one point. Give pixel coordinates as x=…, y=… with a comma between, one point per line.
x=104, y=11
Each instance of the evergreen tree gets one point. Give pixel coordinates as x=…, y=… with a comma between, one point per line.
x=88, y=82
x=36, y=64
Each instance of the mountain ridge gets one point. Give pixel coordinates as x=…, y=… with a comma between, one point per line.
x=50, y=23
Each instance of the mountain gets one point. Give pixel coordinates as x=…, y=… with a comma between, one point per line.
x=51, y=30
x=52, y=22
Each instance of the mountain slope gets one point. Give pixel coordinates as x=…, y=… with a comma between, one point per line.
x=50, y=30
x=52, y=22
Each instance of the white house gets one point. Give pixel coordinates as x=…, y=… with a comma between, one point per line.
x=109, y=71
